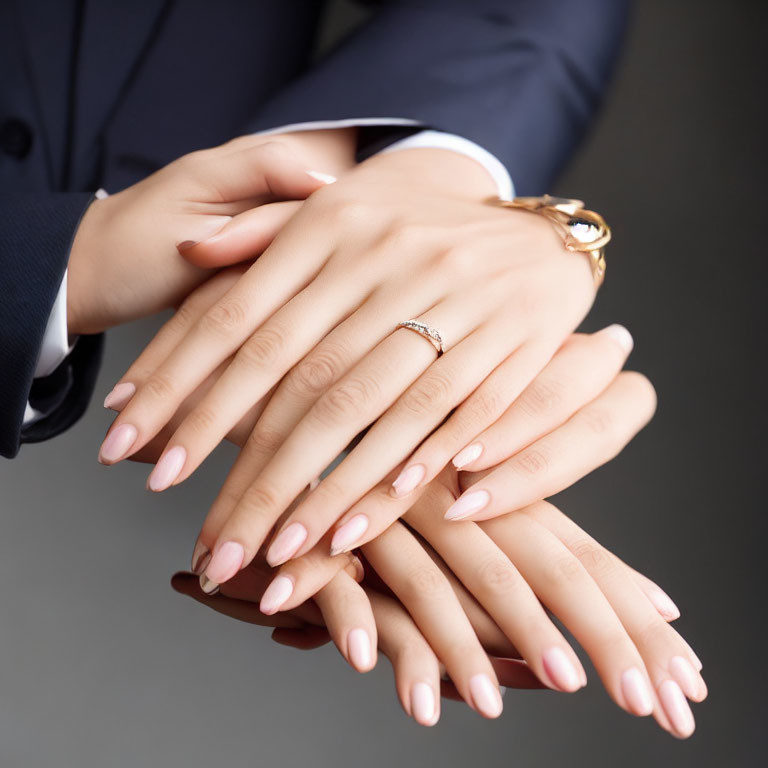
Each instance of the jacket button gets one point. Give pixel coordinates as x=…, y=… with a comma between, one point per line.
x=15, y=138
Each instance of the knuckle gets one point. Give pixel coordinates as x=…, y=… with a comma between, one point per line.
x=653, y=633
x=257, y=499
x=317, y=372
x=407, y=237
x=564, y=569
x=456, y=260
x=498, y=576
x=201, y=420
x=599, y=421
x=433, y=391
x=224, y=318
x=160, y=387
x=533, y=461
x=262, y=349
x=541, y=397
x=596, y=559
x=273, y=151
x=424, y=582
x=264, y=440
x=350, y=213
x=347, y=399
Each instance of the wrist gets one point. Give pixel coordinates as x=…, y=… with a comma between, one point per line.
x=435, y=169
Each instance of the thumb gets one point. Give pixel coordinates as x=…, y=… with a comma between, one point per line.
x=267, y=171
x=243, y=237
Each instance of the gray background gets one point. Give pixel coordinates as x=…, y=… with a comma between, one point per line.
x=103, y=665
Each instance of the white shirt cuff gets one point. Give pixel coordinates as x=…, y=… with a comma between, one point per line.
x=424, y=139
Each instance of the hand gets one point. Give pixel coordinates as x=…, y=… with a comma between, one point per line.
x=124, y=263
x=395, y=240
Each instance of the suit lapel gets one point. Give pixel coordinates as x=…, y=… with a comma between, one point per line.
x=114, y=38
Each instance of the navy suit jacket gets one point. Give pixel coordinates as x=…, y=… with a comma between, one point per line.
x=100, y=93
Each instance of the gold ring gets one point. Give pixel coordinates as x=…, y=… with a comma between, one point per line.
x=432, y=335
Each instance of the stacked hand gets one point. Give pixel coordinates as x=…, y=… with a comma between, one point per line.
x=295, y=355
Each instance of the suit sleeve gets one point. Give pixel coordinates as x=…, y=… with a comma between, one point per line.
x=520, y=78
x=36, y=234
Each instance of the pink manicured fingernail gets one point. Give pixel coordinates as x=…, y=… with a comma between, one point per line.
x=637, y=692
x=285, y=546
x=117, y=443
x=423, y=704
x=359, y=649
x=687, y=678
x=118, y=398
x=408, y=480
x=276, y=594
x=561, y=670
x=167, y=469
x=201, y=556
x=467, y=505
x=485, y=696
x=345, y=537
x=662, y=602
x=326, y=178
x=621, y=336
x=226, y=562
x=696, y=660
x=467, y=455
x=208, y=586
x=677, y=709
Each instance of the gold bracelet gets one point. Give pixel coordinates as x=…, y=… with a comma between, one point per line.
x=582, y=231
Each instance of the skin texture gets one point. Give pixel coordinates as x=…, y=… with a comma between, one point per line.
x=494, y=576
x=396, y=237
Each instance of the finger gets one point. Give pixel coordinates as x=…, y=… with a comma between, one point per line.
x=242, y=610
x=302, y=578
x=169, y=336
x=416, y=668
x=245, y=236
x=659, y=598
x=422, y=406
x=495, y=582
x=270, y=283
x=590, y=438
x=409, y=572
x=664, y=653
x=267, y=170
x=565, y=587
x=348, y=615
x=580, y=370
x=347, y=408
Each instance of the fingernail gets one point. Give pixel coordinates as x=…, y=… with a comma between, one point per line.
x=663, y=604
x=185, y=245
x=423, y=704
x=201, y=556
x=467, y=455
x=326, y=178
x=467, y=505
x=276, y=594
x=621, y=336
x=285, y=546
x=117, y=443
x=561, y=670
x=637, y=692
x=118, y=398
x=208, y=586
x=167, y=469
x=408, y=480
x=225, y=562
x=359, y=649
x=345, y=537
x=485, y=696
x=676, y=709
x=687, y=678
x=314, y=483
